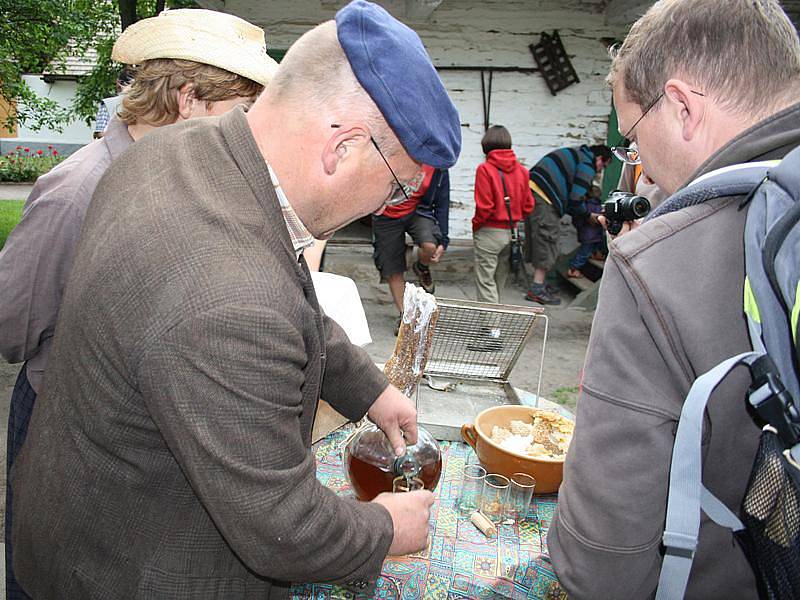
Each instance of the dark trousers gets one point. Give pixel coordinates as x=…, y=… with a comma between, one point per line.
x=584, y=254
x=22, y=401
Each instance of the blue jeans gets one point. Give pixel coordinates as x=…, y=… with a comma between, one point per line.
x=583, y=254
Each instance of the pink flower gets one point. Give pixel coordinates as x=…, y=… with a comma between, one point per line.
x=39, y=152
x=27, y=149
x=55, y=153
x=19, y=147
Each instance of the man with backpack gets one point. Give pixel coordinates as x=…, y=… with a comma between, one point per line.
x=695, y=101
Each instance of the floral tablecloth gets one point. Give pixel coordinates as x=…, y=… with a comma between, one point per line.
x=459, y=562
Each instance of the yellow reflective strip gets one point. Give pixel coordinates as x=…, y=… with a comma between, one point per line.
x=750, y=306
x=795, y=312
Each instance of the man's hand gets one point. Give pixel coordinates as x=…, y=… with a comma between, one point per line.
x=626, y=226
x=437, y=254
x=396, y=415
x=410, y=513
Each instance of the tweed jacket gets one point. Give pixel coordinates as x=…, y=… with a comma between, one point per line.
x=168, y=455
x=670, y=308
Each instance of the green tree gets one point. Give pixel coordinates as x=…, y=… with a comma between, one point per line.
x=38, y=36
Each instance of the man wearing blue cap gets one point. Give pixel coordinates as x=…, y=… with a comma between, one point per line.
x=169, y=454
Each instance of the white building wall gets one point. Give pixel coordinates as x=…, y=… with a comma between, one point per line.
x=63, y=93
x=488, y=33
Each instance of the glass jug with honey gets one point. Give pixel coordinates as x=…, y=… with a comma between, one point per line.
x=372, y=467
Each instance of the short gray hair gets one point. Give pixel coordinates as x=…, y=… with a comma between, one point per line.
x=744, y=53
x=316, y=69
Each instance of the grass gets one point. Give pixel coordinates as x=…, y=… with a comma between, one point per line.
x=566, y=396
x=10, y=214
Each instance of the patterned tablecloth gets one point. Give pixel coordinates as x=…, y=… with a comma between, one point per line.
x=459, y=562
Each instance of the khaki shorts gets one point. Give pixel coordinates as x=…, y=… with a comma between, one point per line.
x=542, y=228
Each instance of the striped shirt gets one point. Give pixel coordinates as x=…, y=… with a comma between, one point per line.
x=301, y=237
x=565, y=176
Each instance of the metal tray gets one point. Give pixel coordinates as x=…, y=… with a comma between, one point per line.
x=473, y=350
x=443, y=413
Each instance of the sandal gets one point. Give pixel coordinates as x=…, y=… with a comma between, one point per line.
x=574, y=273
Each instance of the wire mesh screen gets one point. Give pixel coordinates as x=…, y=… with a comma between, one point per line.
x=479, y=341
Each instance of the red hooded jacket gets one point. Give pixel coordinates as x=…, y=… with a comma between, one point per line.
x=490, y=209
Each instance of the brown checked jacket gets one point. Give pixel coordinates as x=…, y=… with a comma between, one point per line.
x=168, y=454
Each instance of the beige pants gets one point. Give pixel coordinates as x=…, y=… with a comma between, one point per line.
x=492, y=255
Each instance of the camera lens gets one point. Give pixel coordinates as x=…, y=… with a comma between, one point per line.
x=641, y=206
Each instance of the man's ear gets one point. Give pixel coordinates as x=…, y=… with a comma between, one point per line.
x=688, y=106
x=186, y=100
x=341, y=145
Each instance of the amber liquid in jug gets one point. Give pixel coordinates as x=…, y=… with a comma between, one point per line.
x=368, y=481
x=371, y=465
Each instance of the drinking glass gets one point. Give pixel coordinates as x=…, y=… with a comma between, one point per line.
x=469, y=500
x=519, y=496
x=495, y=497
x=404, y=484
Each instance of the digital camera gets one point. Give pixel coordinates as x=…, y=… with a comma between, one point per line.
x=623, y=206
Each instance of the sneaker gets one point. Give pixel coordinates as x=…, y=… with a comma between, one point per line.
x=424, y=275
x=551, y=290
x=543, y=296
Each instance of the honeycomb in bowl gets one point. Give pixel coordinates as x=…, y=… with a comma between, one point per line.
x=547, y=435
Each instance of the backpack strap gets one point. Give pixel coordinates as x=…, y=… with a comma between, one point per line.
x=735, y=180
x=687, y=495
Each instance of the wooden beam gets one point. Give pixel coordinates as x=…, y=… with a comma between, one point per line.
x=421, y=10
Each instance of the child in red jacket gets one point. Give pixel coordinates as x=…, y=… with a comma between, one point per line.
x=491, y=225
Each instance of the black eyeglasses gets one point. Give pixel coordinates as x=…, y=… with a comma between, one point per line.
x=630, y=154
x=401, y=193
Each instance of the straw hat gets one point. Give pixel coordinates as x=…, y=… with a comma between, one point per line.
x=204, y=36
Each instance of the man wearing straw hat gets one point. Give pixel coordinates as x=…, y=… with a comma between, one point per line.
x=191, y=350
x=190, y=63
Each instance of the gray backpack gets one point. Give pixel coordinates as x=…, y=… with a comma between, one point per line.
x=767, y=525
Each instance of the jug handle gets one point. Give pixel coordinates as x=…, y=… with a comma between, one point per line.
x=469, y=435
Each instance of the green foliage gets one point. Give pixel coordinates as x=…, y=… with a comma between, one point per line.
x=23, y=165
x=10, y=214
x=38, y=35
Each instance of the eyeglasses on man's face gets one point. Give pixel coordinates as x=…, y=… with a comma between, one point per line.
x=630, y=154
x=400, y=192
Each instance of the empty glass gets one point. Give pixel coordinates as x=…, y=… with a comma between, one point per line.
x=469, y=500
x=519, y=496
x=495, y=497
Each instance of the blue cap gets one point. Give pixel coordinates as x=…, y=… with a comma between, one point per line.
x=391, y=64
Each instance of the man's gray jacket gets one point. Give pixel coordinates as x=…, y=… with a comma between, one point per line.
x=670, y=309
x=168, y=454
